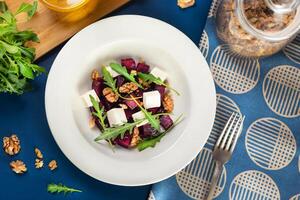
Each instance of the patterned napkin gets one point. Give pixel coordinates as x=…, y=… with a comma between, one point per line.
x=266, y=161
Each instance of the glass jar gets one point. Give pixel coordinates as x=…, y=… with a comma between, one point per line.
x=255, y=28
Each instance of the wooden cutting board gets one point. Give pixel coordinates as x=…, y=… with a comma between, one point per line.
x=53, y=28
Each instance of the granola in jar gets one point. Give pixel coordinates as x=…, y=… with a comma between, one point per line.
x=252, y=28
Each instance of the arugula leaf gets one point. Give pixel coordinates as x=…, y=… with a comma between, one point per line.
x=153, y=121
x=99, y=112
x=150, y=78
x=121, y=70
x=3, y=6
x=59, y=188
x=28, y=8
x=113, y=132
x=108, y=80
x=25, y=70
x=153, y=141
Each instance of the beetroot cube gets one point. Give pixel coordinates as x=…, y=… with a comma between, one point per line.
x=129, y=63
x=161, y=89
x=104, y=103
x=166, y=122
x=125, y=141
x=98, y=86
x=128, y=114
x=147, y=131
x=153, y=110
x=120, y=81
x=142, y=67
x=131, y=104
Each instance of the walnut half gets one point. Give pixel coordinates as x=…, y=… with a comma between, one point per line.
x=18, y=167
x=110, y=95
x=11, y=145
x=128, y=88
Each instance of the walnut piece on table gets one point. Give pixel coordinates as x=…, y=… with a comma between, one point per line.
x=38, y=153
x=18, y=166
x=168, y=103
x=128, y=88
x=52, y=165
x=39, y=163
x=185, y=3
x=11, y=145
x=110, y=95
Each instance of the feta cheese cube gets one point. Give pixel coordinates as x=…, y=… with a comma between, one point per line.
x=112, y=72
x=151, y=99
x=139, y=115
x=86, y=98
x=159, y=73
x=116, y=117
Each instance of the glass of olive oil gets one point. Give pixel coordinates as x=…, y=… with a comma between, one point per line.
x=71, y=10
x=65, y=5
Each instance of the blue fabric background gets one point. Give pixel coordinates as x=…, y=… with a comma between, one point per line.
x=25, y=116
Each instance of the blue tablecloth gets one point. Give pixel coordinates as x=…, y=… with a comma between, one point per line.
x=266, y=161
x=25, y=116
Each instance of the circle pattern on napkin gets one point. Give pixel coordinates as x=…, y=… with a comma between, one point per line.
x=195, y=179
x=270, y=143
x=232, y=73
x=292, y=50
x=281, y=90
x=204, y=44
x=253, y=184
x=225, y=107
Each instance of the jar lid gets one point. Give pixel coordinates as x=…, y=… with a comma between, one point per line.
x=273, y=20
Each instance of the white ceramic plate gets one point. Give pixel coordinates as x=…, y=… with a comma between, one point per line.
x=159, y=44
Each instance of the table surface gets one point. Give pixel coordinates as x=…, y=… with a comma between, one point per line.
x=25, y=116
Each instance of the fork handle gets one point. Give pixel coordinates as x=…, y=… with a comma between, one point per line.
x=215, y=178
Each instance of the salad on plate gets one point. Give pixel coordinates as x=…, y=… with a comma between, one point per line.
x=131, y=104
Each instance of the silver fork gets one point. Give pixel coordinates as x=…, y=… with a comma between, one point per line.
x=224, y=147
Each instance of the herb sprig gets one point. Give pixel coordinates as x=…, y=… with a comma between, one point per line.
x=153, y=141
x=16, y=59
x=150, y=78
x=113, y=132
x=60, y=188
x=99, y=112
x=121, y=70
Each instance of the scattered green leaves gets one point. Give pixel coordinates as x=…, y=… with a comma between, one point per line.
x=153, y=141
x=30, y=9
x=113, y=132
x=153, y=121
x=152, y=79
x=99, y=112
x=108, y=80
x=123, y=71
x=60, y=188
x=16, y=67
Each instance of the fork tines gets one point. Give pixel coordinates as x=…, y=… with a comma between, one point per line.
x=231, y=132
